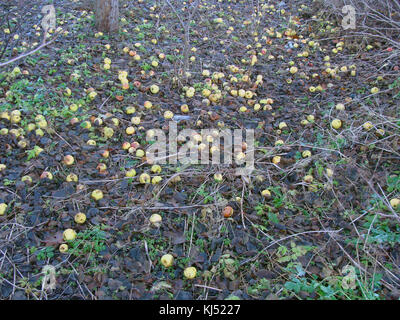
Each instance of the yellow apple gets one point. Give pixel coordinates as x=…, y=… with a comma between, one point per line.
x=167, y=260
x=26, y=179
x=190, y=92
x=72, y=177
x=130, y=130
x=185, y=108
x=130, y=173
x=336, y=123
x=276, y=159
x=144, y=178
x=156, y=180
x=218, y=177
x=190, y=272
x=282, y=125
x=380, y=132
x=135, y=120
x=306, y=154
x=340, y=107
x=80, y=218
x=156, y=169
x=3, y=208
x=168, y=114
x=266, y=193
x=108, y=132
x=155, y=220
x=97, y=194
x=154, y=89
x=46, y=174
x=130, y=110
x=91, y=142
x=69, y=235
x=140, y=153
x=374, y=90
x=308, y=178
x=68, y=160
x=63, y=248
x=148, y=104
x=395, y=202
x=368, y=125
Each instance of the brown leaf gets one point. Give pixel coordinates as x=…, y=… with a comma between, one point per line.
x=54, y=240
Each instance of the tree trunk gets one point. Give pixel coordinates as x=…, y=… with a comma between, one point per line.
x=107, y=15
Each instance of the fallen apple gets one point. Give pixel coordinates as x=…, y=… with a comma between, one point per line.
x=97, y=194
x=374, y=90
x=140, y=153
x=72, y=177
x=266, y=193
x=46, y=175
x=185, y=108
x=380, y=132
x=91, y=142
x=130, y=110
x=340, y=107
x=130, y=173
x=144, y=178
x=155, y=220
x=395, y=202
x=308, y=178
x=126, y=145
x=190, y=92
x=130, y=130
x=148, y=104
x=276, y=159
x=190, y=272
x=80, y=218
x=101, y=167
x=227, y=212
x=3, y=208
x=68, y=160
x=26, y=179
x=329, y=172
x=135, y=120
x=306, y=153
x=336, y=124
x=368, y=125
x=63, y=248
x=156, y=169
x=282, y=125
x=73, y=107
x=168, y=114
x=154, y=89
x=86, y=125
x=167, y=260
x=108, y=132
x=156, y=180
x=69, y=235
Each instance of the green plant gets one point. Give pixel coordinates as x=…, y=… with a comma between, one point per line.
x=393, y=182
x=90, y=240
x=45, y=253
